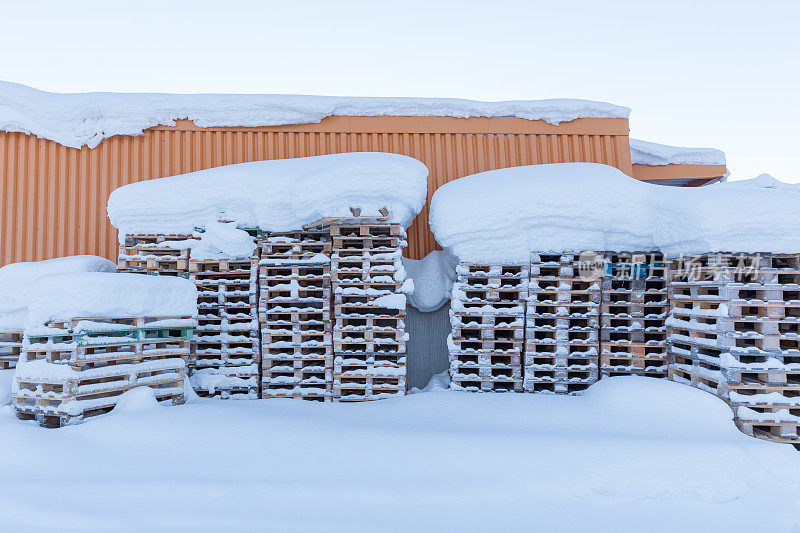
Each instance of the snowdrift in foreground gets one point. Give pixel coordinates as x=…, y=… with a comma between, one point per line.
x=18, y=279
x=100, y=295
x=633, y=454
x=433, y=277
x=87, y=118
x=647, y=153
x=503, y=215
x=277, y=195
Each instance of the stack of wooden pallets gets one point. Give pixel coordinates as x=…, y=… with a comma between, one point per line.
x=634, y=311
x=561, y=334
x=80, y=367
x=487, y=316
x=295, y=315
x=369, y=309
x=225, y=346
x=165, y=255
x=10, y=347
x=734, y=331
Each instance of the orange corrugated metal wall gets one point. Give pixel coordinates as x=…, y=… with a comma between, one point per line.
x=53, y=198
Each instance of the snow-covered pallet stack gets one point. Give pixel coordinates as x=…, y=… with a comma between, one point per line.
x=634, y=311
x=369, y=336
x=225, y=343
x=487, y=315
x=734, y=331
x=78, y=368
x=295, y=315
x=10, y=347
x=165, y=255
x=561, y=332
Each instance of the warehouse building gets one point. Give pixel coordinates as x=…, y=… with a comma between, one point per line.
x=61, y=155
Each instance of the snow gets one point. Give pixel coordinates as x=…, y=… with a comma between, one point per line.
x=137, y=399
x=647, y=153
x=631, y=454
x=99, y=295
x=87, y=118
x=390, y=301
x=6, y=379
x=277, y=195
x=219, y=240
x=17, y=280
x=503, y=215
x=765, y=181
x=433, y=277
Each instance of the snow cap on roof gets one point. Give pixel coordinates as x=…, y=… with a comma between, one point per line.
x=107, y=295
x=79, y=119
x=504, y=215
x=277, y=195
x=647, y=153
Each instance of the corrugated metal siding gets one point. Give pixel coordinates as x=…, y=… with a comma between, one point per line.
x=52, y=198
x=426, y=349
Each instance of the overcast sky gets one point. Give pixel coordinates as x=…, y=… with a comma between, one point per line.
x=722, y=74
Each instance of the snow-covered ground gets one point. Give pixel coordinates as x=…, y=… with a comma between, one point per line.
x=632, y=454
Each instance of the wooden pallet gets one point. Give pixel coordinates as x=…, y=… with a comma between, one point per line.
x=89, y=392
x=226, y=382
x=293, y=246
x=499, y=384
x=487, y=358
x=10, y=348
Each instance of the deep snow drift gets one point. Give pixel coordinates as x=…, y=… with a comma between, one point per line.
x=433, y=277
x=104, y=295
x=647, y=153
x=87, y=118
x=17, y=280
x=276, y=195
x=503, y=215
x=632, y=454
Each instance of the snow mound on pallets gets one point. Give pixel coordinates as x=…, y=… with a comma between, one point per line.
x=79, y=119
x=278, y=195
x=18, y=279
x=101, y=295
x=433, y=277
x=219, y=241
x=648, y=153
x=505, y=214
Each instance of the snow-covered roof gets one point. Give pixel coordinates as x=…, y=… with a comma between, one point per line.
x=79, y=119
x=276, y=195
x=100, y=294
x=647, y=153
x=17, y=280
x=503, y=215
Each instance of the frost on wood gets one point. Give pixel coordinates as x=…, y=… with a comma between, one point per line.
x=74, y=367
x=504, y=215
x=734, y=332
x=278, y=195
x=80, y=119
